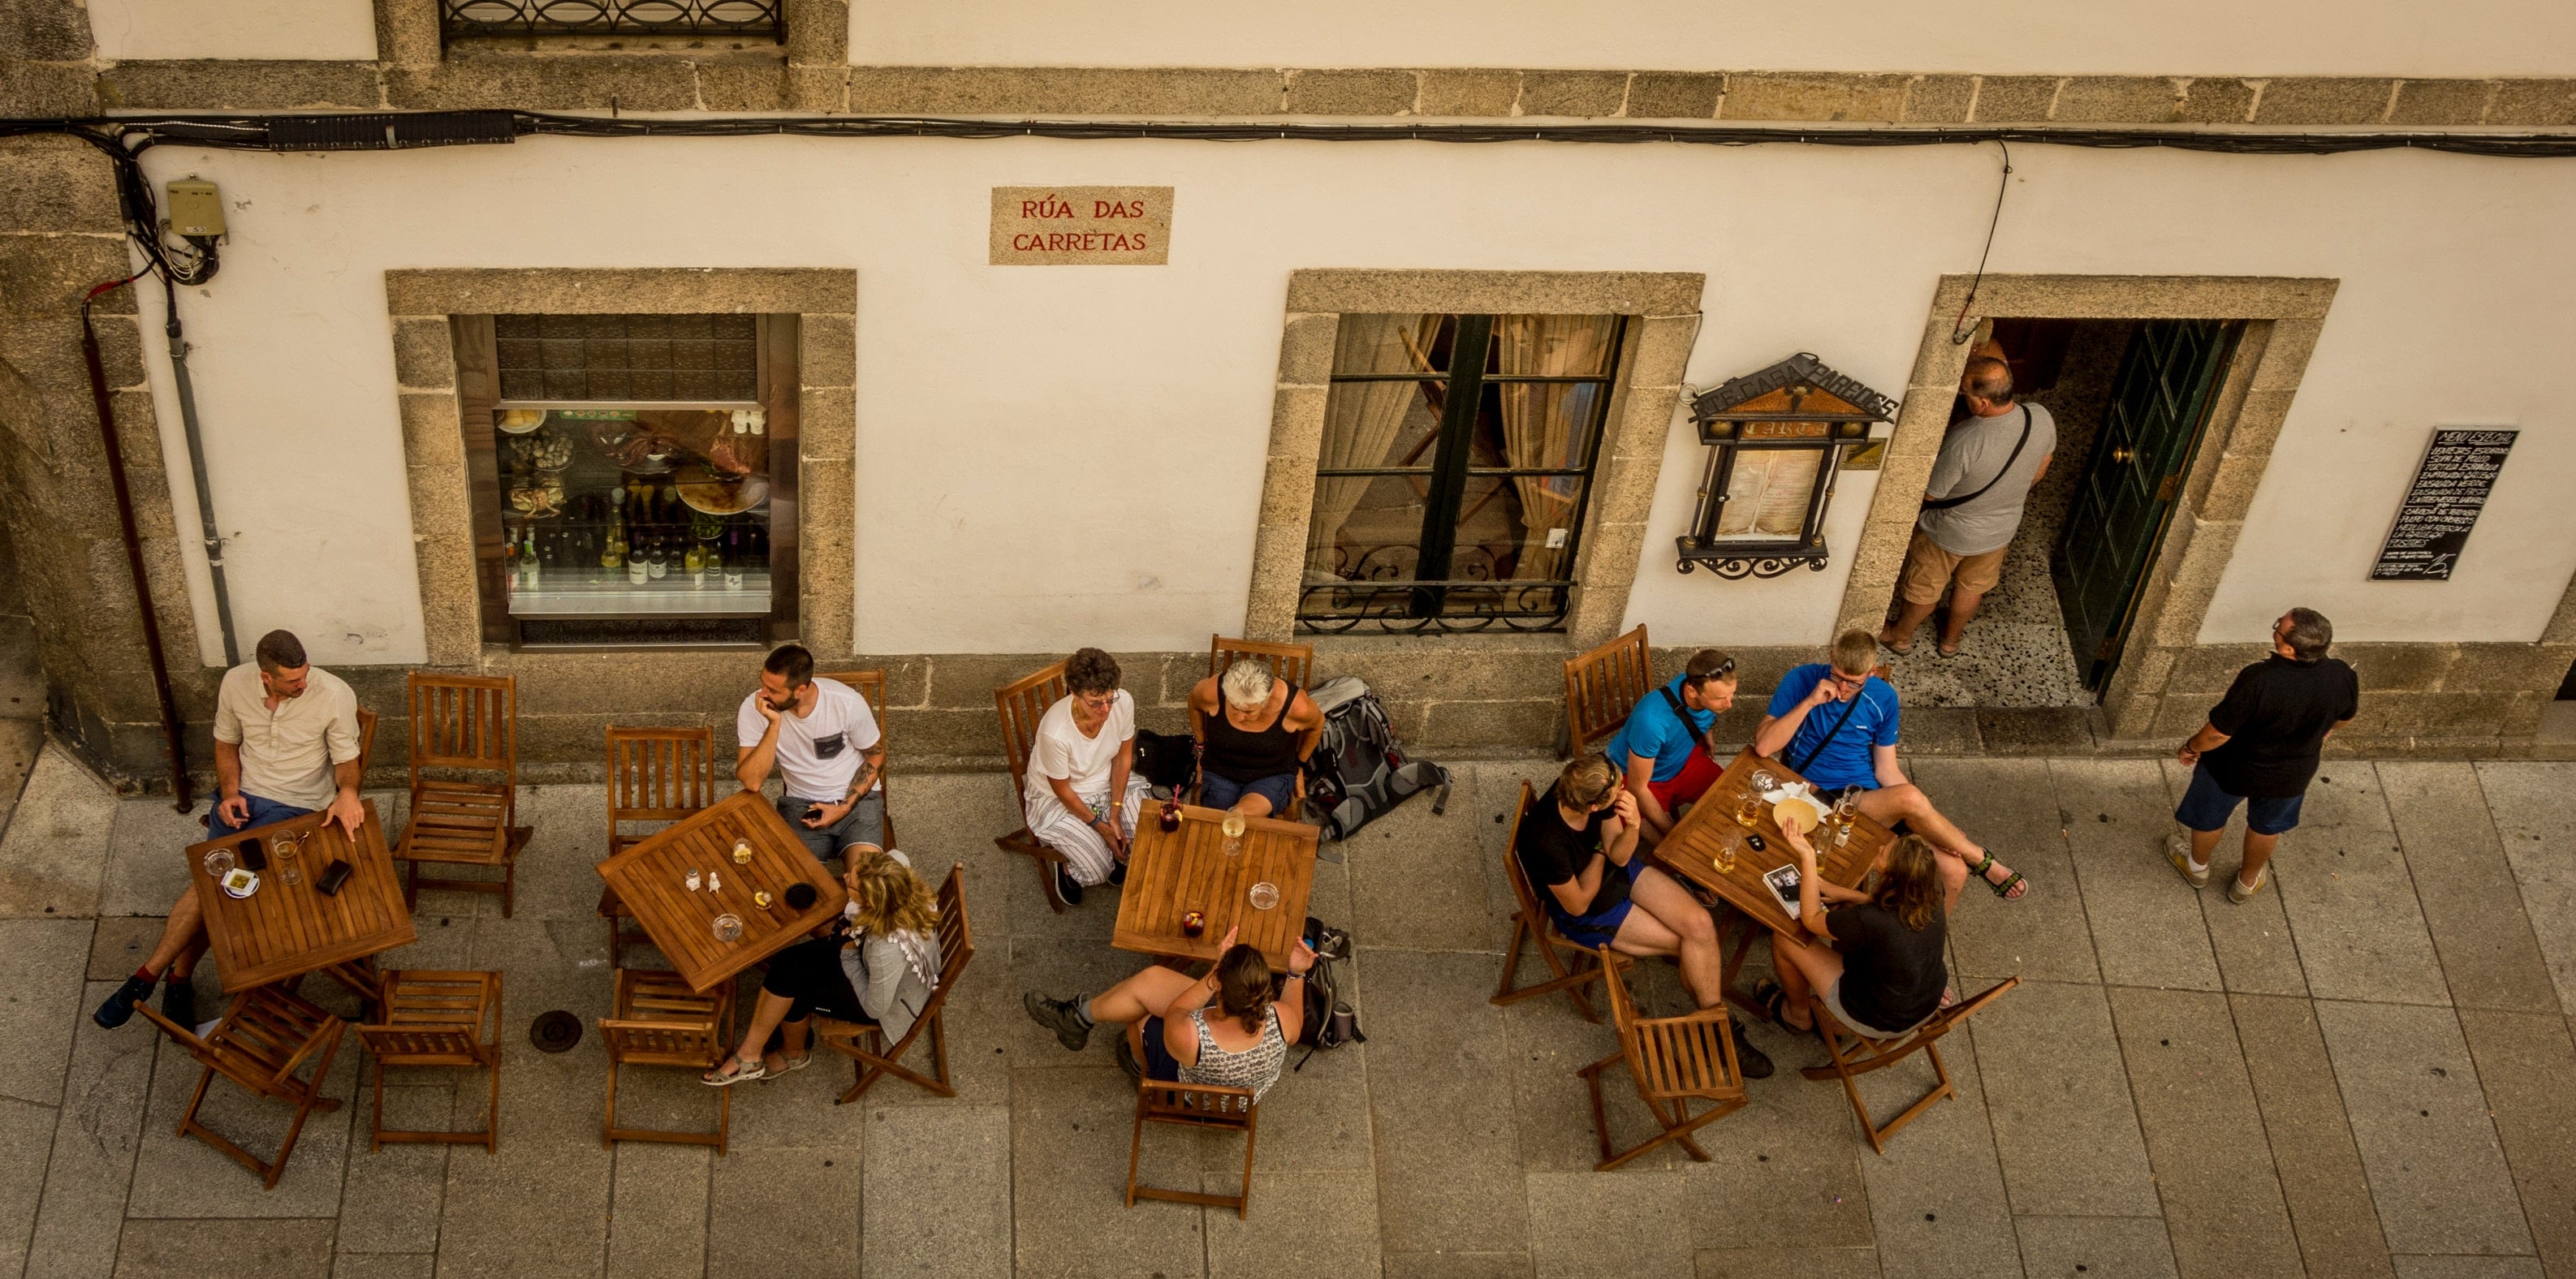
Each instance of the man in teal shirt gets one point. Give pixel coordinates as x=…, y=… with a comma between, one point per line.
x=1664, y=752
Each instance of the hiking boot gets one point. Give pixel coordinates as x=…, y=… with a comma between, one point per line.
x=119, y=1008
x=179, y=1002
x=1063, y=1016
x=2178, y=851
x=1755, y=1063
x=2240, y=892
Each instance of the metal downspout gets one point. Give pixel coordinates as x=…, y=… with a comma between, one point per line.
x=197, y=471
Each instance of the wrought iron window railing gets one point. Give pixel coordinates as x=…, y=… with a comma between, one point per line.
x=613, y=17
x=1414, y=607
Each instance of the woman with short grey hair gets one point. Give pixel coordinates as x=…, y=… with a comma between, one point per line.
x=1254, y=730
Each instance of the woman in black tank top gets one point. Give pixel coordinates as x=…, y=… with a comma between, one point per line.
x=1252, y=767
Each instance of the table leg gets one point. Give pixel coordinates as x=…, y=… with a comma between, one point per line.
x=1745, y=932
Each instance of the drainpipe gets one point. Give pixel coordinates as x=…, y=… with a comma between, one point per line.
x=170, y=725
x=197, y=469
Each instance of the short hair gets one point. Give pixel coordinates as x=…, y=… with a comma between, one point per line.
x=1247, y=682
x=1855, y=652
x=2310, y=634
x=1708, y=664
x=793, y=663
x=1090, y=670
x=1586, y=780
x=1990, y=379
x=281, y=651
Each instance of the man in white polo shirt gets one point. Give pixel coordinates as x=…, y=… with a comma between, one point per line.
x=286, y=745
x=822, y=737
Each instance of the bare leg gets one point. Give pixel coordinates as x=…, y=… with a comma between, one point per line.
x=1803, y=971
x=183, y=938
x=1252, y=805
x=2258, y=853
x=1693, y=935
x=1908, y=620
x=1963, y=606
x=765, y=1017
x=1144, y=995
x=1888, y=804
x=2205, y=842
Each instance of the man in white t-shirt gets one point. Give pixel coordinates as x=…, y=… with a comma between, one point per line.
x=823, y=738
x=1082, y=793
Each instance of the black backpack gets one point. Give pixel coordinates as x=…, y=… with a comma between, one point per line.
x=1166, y=760
x=1359, y=771
x=1330, y=1021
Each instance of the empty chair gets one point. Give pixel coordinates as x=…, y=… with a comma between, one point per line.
x=463, y=724
x=441, y=1019
x=1853, y=1056
x=1602, y=686
x=1674, y=1061
x=1294, y=663
x=865, y=1047
x=1534, y=928
x=1020, y=705
x=1199, y=1106
x=654, y=775
x=264, y=1039
x=659, y=1021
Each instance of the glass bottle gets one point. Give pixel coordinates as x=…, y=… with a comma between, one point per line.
x=510, y=558
x=528, y=564
x=638, y=567
x=715, y=560
x=659, y=565
x=696, y=564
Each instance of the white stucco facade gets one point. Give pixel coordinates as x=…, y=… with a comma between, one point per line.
x=1053, y=455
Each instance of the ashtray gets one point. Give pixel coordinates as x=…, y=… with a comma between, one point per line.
x=239, y=883
x=555, y=1032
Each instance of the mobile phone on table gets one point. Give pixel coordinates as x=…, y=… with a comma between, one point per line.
x=254, y=855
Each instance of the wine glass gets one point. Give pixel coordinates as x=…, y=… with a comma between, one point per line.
x=284, y=847
x=1233, y=828
x=1264, y=895
x=728, y=928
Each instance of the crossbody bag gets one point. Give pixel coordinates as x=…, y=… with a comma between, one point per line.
x=1945, y=503
x=1799, y=765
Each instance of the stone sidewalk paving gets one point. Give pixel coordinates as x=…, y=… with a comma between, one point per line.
x=2366, y=1072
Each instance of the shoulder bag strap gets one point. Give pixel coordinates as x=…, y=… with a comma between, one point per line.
x=1674, y=702
x=1799, y=766
x=1945, y=503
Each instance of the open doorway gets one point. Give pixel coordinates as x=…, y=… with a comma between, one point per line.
x=2130, y=400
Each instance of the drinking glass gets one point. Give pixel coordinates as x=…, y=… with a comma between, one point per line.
x=1233, y=828
x=218, y=862
x=1265, y=895
x=284, y=847
x=1763, y=781
x=728, y=928
x=741, y=853
x=1748, y=809
x=1724, y=857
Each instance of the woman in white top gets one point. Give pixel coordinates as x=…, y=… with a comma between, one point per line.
x=1082, y=793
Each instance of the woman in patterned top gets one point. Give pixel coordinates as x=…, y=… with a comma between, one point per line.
x=1170, y=1035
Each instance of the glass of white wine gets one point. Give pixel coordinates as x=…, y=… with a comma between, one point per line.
x=1233, y=826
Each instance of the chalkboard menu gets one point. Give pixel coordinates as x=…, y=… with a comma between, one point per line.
x=2441, y=506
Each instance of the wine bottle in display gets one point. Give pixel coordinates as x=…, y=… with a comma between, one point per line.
x=638, y=566
x=510, y=558
x=715, y=561
x=528, y=568
x=696, y=564
x=660, y=563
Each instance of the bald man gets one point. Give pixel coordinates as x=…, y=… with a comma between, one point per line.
x=1972, y=506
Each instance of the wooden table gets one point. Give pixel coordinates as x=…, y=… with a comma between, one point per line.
x=1187, y=869
x=1690, y=852
x=284, y=930
x=651, y=878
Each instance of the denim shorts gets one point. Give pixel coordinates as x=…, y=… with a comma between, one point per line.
x=2206, y=807
x=1159, y=1063
x=1221, y=792
x=263, y=812
x=1600, y=927
x=863, y=824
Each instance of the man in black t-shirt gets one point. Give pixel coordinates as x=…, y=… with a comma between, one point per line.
x=2260, y=747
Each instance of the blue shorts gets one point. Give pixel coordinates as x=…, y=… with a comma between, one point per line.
x=263, y=812
x=1159, y=1062
x=2205, y=807
x=1600, y=927
x=1221, y=792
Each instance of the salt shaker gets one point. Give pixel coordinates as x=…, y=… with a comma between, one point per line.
x=692, y=881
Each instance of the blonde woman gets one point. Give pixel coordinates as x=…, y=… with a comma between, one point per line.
x=1254, y=729
x=879, y=962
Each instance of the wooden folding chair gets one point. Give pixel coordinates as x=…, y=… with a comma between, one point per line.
x=855, y=1040
x=1534, y=927
x=659, y=1021
x=1602, y=686
x=1294, y=663
x=1205, y=1108
x=1020, y=705
x=1863, y=1055
x=1674, y=1060
x=264, y=1038
x=654, y=775
x=463, y=723
x=432, y=1018
x=871, y=687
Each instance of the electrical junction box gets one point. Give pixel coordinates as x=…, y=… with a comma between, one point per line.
x=196, y=208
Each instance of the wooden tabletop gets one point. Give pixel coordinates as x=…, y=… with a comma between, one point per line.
x=1188, y=870
x=651, y=878
x=1690, y=850
x=282, y=929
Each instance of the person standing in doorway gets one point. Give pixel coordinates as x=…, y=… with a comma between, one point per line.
x=1972, y=505
x=2260, y=748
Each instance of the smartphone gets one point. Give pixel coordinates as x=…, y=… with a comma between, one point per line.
x=813, y=812
x=333, y=875
x=253, y=855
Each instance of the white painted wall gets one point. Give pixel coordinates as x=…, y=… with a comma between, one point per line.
x=1049, y=456
x=281, y=29
x=2178, y=37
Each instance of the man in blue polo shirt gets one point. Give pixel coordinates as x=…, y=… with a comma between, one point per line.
x=1664, y=753
x=1834, y=723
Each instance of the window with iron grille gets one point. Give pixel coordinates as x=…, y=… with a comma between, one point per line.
x=1455, y=468
x=719, y=18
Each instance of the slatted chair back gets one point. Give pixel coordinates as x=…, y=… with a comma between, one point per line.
x=465, y=722
x=261, y=1044
x=956, y=951
x=1200, y=1106
x=437, y=1018
x=871, y=687
x=1019, y=705
x=1673, y=1061
x=1603, y=685
x=1570, y=967
x=1294, y=663
x=659, y=1021
x=1850, y=1055
x=366, y=742
x=657, y=775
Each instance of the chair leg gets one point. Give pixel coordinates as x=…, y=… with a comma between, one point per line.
x=616, y=936
x=1243, y=1201
x=1135, y=1149
x=1600, y=1116
x=509, y=887
x=939, y=1054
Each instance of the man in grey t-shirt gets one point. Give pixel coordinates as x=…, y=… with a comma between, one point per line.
x=1972, y=505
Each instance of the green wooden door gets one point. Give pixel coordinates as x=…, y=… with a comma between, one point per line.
x=2133, y=480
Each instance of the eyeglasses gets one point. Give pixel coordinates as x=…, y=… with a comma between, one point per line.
x=1724, y=669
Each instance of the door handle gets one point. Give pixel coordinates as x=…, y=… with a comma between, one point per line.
x=2120, y=453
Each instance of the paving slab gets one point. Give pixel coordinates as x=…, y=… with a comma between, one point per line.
x=2524, y=1063
x=1490, y=791
x=147, y=867
x=26, y=1140
x=296, y=1249
x=2412, y=1267
x=2534, y=809
x=1419, y=880
x=41, y=966
x=1456, y=1265
x=1448, y=1155
x=1787, y=1263
x=657, y=1212
x=1936, y=1198
x=936, y=1193
x=385, y=1265
x=2094, y=1248
x=1552, y=1106
x=1615, y=1226
x=2257, y=954
x=177, y=1176
x=540, y=1206
x=390, y=1199
x=1783, y=1173
x=56, y=841
x=1070, y=1132
x=2146, y=923
x=2010, y=806
x=2222, y=1201
x=95, y=1138
x=2313, y=1150
x=2419, y=1118
x=2490, y=957
x=2065, y=1125
x=780, y=1212
x=2350, y=898
x=1301, y=1223
x=21, y=741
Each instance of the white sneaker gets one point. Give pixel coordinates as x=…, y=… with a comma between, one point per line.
x=2178, y=851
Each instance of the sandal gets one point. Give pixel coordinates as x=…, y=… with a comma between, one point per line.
x=749, y=1072
x=1775, y=1006
x=2010, y=887
x=1946, y=654
x=1906, y=651
x=794, y=1064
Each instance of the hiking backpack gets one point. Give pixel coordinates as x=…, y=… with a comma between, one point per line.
x=1359, y=770
x=1330, y=1022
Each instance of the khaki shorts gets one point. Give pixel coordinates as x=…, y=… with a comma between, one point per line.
x=1928, y=569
